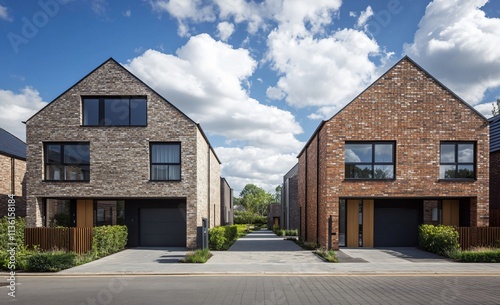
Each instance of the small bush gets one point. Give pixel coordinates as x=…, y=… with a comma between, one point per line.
x=231, y=233
x=244, y=217
x=16, y=227
x=306, y=245
x=438, y=239
x=217, y=238
x=51, y=261
x=328, y=256
x=108, y=240
x=198, y=256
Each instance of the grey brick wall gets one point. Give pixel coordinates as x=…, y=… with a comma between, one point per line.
x=119, y=156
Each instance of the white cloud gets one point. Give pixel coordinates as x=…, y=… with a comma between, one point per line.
x=275, y=93
x=205, y=81
x=322, y=72
x=225, y=29
x=485, y=109
x=458, y=44
x=4, y=14
x=16, y=108
x=353, y=14
x=99, y=6
x=364, y=16
x=261, y=166
x=127, y=13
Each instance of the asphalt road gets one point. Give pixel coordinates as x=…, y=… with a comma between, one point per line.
x=349, y=289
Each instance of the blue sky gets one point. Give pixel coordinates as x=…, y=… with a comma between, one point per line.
x=259, y=76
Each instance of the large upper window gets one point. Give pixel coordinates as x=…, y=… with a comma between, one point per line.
x=457, y=160
x=67, y=161
x=369, y=160
x=114, y=111
x=166, y=161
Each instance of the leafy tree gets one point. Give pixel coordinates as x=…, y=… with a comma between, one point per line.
x=277, y=195
x=254, y=199
x=496, y=108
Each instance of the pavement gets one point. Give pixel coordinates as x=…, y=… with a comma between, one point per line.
x=264, y=253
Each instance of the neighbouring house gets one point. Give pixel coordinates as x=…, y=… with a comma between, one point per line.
x=226, y=197
x=495, y=171
x=404, y=152
x=273, y=215
x=12, y=171
x=290, y=200
x=110, y=150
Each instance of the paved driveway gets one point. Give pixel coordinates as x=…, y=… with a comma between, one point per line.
x=263, y=247
x=388, y=255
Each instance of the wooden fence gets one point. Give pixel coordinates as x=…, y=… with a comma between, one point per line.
x=78, y=240
x=495, y=218
x=478, y=236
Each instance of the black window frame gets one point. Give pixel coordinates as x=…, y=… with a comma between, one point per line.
x=102, y=118
x=63, y=164
x=151, y=163
x=456, y=163
x=373, y=163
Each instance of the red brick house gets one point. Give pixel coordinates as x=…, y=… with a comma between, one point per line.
x=406, y=151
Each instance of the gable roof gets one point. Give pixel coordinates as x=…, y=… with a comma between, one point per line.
x=405, y=58
x=112, y=60
x=494, y=133
x=11, y=146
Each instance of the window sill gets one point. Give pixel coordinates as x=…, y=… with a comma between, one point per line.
x=458, y=180
x=367, y=179
x=71, y=181
x=165, y=180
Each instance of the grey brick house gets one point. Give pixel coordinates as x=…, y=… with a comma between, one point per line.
x=12, y=171
x=227, y=207
x=110, y=150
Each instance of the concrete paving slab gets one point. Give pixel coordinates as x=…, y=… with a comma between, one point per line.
x=255, y=260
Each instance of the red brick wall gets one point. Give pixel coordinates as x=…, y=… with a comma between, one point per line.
x=495, y=188
x=406, y=106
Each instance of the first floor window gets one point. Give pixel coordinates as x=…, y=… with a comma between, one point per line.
x=369, y=160
x=114, y=111
x=457, y=160
x=67, y=161
x=166, y=161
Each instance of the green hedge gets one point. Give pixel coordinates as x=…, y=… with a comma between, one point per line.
x=51, y=261
x=483, y=256
x=221, y=238
x=108, y=240
x=17, y=226
x=438, y=239
x=249, y=218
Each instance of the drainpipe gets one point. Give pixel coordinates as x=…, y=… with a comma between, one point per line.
x=305, y=204
x=12, y=176
x=208, y=197
x=317, y=188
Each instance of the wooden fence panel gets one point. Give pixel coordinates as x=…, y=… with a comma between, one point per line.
x=68, y=239
x=478, y=236
x=495, y=218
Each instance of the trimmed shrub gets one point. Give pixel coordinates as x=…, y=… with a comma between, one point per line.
x=438, y=239
x=231, y=232
x=16, y=227
x=249, y=218
x=217, y=238
x=51, y=261
x=108, y=240
x=483, y=256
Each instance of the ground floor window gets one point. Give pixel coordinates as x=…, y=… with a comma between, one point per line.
x=109, y=212
x=58, y=213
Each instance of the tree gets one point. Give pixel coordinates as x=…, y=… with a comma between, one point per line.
x=254, y=199
x=496, y=108
x=277, y=195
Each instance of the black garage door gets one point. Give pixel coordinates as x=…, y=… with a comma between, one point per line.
x=162, y=227
x=396, y=227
